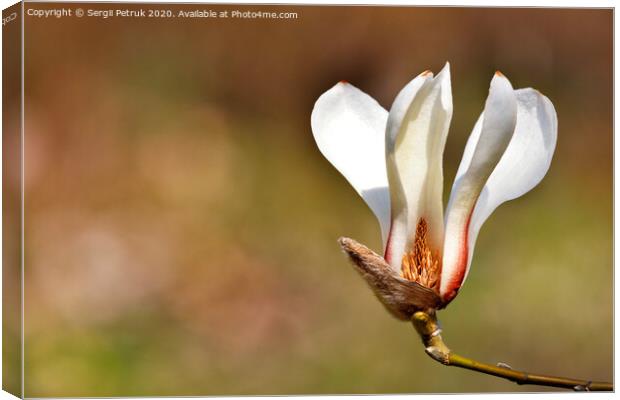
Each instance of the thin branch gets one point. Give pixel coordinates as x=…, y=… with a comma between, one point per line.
x=428, y=328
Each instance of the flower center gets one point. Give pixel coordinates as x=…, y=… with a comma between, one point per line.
x=420, y=264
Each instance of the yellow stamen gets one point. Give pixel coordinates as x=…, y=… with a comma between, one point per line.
x=420, y=264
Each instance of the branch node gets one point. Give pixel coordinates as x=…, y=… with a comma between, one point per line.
x=437, y=354
x=525, y=380
x=583, y=388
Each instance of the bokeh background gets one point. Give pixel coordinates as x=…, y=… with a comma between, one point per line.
x=181, y=224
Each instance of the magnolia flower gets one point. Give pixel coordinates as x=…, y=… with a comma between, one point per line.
x=394, y=161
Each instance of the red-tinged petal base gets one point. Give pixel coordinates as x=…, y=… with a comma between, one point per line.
x=456, y=280
x=387, y=256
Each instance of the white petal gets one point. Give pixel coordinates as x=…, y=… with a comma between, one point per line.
x=349, y=129
x=416, y=134
x=525, y=162
x=494, y=132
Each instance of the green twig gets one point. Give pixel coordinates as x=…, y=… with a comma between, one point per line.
x=428, y=328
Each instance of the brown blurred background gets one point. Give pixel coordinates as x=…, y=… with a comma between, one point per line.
x=181, y=225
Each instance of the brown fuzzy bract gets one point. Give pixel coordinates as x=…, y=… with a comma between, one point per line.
x=401, y=297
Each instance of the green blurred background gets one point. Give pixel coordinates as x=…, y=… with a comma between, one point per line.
x=181, y=224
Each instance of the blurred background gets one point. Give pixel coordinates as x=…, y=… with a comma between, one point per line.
x=181, y=224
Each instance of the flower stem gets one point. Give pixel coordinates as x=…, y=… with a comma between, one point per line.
x=428, y=328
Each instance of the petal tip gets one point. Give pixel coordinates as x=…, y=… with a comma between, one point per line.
x=443, y=77
x=446, y=67
x=343, y=82
x=500, y=81
x=444, y=74
x=426, y=73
